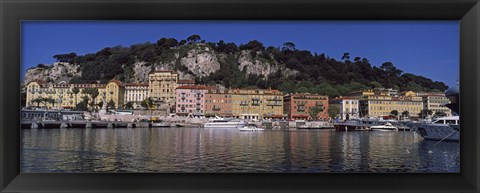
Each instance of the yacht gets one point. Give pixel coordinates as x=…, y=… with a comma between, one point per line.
x=158, y=123
x=444, y=128
x=356, y=124
x=218, y=122
x=385, y=127
x=251, y=127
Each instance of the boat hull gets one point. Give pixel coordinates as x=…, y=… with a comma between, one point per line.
x=347, y=127
x=224, y=125
x=158, y=125
x=384, y=129
x=439, y=132
x=241, y=129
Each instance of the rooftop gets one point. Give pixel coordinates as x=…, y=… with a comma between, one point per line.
x=160, y=71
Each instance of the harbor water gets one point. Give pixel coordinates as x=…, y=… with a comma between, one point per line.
x=229, y=150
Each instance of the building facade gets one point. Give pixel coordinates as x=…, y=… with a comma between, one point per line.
x=60, y=96
x=381, y=105
x=298, y=106
x=135, y=93
x=162, y=85
x=185, y=82
x=218, y=103
x=115, y=91
x=348, y=106
x=435, y=102
x=190, y=100
x=256, y=104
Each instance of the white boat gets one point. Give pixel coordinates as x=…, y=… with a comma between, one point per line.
x=158, y=123
x=441, y=129
x=385, y=127
x=250, y=127
x=444, y=128
x=218, y=122
x=316, y=125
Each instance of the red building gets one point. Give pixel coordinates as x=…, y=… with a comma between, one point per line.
x=298, y=106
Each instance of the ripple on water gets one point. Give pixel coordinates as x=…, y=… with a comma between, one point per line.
x=211, y=150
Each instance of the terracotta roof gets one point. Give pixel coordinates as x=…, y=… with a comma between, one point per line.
x=306, y=94
x=136, y=84
x=116, y=82
x=265, y=91
x=198, y=87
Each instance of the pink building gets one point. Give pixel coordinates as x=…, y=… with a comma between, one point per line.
x=190, y=100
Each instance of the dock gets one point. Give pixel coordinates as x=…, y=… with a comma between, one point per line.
x=80, y=124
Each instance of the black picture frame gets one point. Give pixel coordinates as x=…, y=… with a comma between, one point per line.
x=14, y=11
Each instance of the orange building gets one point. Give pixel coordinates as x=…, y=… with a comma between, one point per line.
x=218, y=103
x=298, y=106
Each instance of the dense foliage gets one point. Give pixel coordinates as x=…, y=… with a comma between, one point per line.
x=315, y=73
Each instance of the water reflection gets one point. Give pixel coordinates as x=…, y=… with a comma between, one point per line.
x=227, y=150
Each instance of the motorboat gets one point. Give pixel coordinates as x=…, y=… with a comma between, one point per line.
x=251, y=127
x=355, y=125
x=385, y=127
x=158, y=123
x=219, y=122
x=444, y=129
x=316, y=125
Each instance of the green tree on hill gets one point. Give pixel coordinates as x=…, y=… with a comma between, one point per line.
x=193, y=38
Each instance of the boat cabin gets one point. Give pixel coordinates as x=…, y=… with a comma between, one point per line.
x=453, y=120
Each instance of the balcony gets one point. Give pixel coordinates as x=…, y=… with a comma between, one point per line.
x=243, y=104
x=275, y=99
x=216, y=109
x=273, y=104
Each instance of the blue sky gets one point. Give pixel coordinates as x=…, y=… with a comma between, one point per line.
x=427, y=48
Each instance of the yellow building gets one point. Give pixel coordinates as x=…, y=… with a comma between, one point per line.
x=60, y=95
x=435, y=102
x=382, y=105
x=114, y=91
x=162, y=85
x=256, y=103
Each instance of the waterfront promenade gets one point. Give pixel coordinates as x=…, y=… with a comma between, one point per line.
x=110, y=121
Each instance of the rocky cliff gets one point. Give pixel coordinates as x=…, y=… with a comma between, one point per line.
x=197, y=62
x=57, y=72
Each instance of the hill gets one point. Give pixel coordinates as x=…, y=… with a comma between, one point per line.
x=238, y=66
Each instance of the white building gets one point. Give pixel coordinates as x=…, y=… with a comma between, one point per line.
x=136, y=93
x=349, y=107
